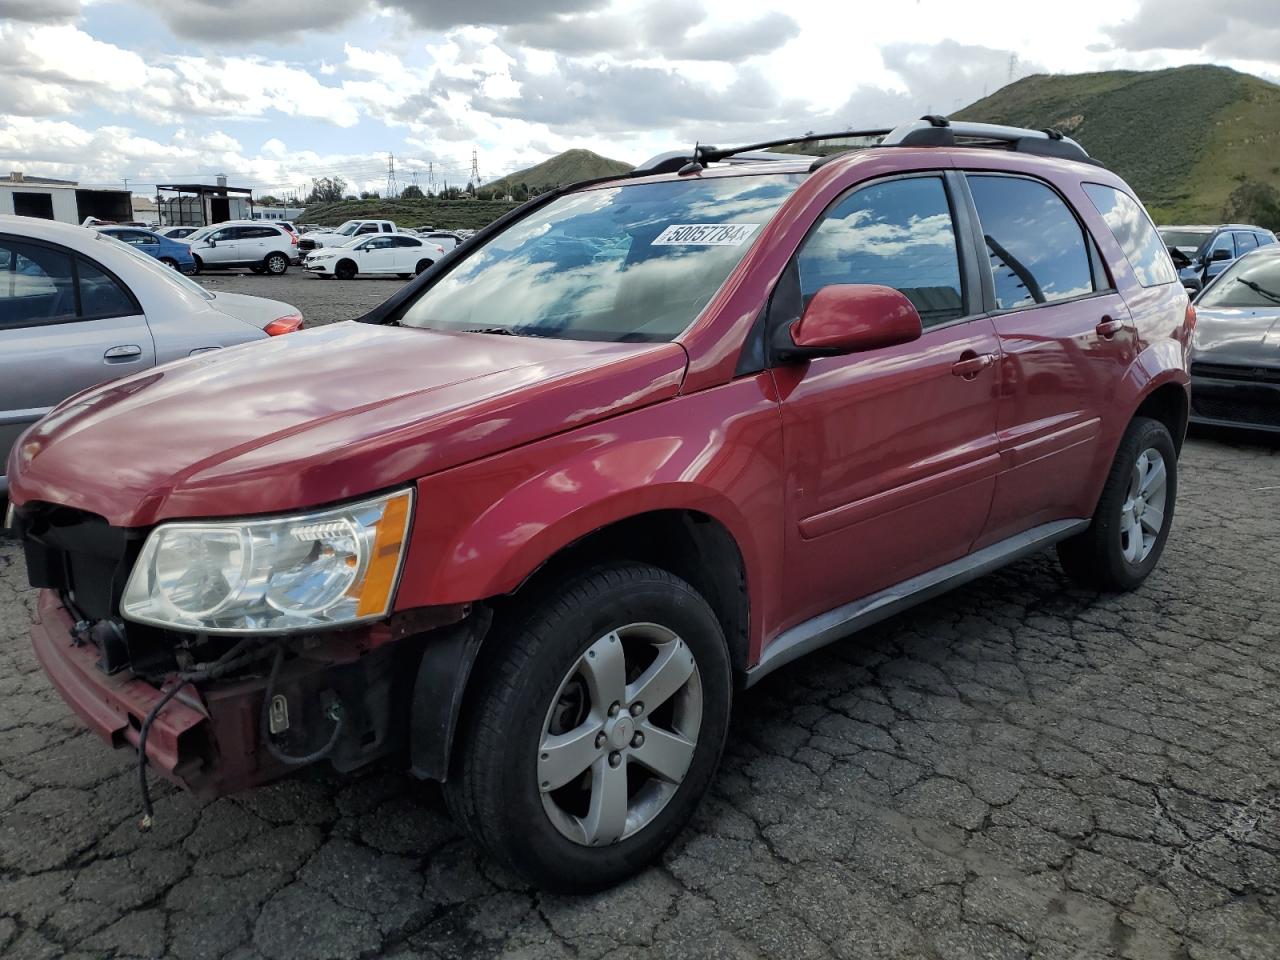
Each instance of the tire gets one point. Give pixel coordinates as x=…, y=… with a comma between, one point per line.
x=422, y=265
x=276, y=264
x=199, y=265
x=533, y=686
x=345, y=270
x=169, y=262
x=1121, y=548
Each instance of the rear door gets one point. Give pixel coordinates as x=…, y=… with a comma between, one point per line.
x=892, y=453
x=408, y=251
x=65, y=324
x=1065, y=340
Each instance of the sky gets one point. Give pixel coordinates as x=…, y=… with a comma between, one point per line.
x=273, y=95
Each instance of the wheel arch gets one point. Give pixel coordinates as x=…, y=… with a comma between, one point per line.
x=1168, y=402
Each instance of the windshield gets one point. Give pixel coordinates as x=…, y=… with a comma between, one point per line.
x=348, y=228
x=202, y=233
x=1188, y=241
x=158, y=269
x=1249, y=282
x=630, y=263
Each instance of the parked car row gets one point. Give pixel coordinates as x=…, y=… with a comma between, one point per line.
x=1202, y=252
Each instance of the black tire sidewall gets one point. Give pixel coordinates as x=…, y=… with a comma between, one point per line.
x=1142, y=434
x=524, y=832
x=344, y=271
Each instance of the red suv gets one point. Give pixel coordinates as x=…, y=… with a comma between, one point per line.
x=638, y=444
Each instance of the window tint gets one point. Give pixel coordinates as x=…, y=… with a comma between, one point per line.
x=263, y=233
x=226, y=233
x=36, y=284
x=1222, y=242
x=1245, y=242
x=367, y=228
x=406, y=242
x=898, y=234
x=1129, y=224
x=379, y=243
x=1264, y=239
x=100, y=296
x=1035, y=245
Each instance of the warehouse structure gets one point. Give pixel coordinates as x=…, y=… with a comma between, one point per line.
x=63, y=200
x=199, y=204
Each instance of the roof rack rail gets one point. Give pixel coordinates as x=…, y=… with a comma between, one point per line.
x=677, y=160
x=934, y=131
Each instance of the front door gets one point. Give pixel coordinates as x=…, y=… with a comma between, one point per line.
x=379, y=255
x=1066, y=339
x=892, y=453
x=65, y=324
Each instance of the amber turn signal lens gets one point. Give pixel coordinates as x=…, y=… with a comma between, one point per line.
x=286, y=324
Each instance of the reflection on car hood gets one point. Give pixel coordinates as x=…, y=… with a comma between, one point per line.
x=1237, y=335
x=320, y=416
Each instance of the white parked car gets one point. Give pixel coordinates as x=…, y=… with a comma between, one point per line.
x=397, y=253
x=262, y=247
x=316, y=239
x=78, y=307
x=445, y=238
x=176, y=233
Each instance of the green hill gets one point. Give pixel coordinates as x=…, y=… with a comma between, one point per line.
x=445, y=214
x=1184, y=138
x=568, y=167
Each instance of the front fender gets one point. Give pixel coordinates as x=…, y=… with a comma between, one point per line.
x=481, y=529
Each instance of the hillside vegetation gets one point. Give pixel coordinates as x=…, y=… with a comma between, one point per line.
x=562, y=169
x=445, y=214
x=1185, y=138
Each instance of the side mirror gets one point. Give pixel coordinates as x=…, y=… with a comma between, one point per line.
x=212, y=243
x=849, y=318
x=1220, y=254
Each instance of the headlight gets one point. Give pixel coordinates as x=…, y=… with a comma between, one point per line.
x=320, y=569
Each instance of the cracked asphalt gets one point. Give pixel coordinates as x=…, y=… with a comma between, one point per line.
x=1018, y=769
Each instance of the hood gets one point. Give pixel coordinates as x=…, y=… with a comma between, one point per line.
x=256, y=311
x=1240, y=336
x=320, y=416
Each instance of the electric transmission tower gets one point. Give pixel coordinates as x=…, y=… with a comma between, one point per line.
x=393, y=188
x=475, y=169
x=431, y=176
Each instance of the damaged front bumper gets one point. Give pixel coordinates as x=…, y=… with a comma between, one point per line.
x=208, y=737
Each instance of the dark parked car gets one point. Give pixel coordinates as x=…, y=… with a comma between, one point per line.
x=1202, y=252
x=635, y=446
x=1235, y=356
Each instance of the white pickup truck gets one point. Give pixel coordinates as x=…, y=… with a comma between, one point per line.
x=352, y=228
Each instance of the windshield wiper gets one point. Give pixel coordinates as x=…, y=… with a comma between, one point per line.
x=1260, y=290
x=500, y=331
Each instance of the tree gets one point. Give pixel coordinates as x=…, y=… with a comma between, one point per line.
x=327, y=190
x=411, y=192
x=269, y=201
x=1253, y=202
x=369, y=195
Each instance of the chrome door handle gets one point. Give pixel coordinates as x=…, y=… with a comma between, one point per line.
x=123, y=353
x=971, y=364
x=1108, y=328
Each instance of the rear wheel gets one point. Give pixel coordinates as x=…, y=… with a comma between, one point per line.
x=422, y=265
x=595, y=728
x=1134, y=514
x=276, y=263
x=169, y=262
x=345, y=270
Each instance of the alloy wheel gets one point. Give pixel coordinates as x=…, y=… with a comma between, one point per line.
x=620, y=734
x=1142, y=514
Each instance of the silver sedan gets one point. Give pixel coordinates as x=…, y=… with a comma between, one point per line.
x=78, y=307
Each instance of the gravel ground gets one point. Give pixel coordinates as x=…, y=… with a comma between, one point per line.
x=1019, y=769
x=321, y=301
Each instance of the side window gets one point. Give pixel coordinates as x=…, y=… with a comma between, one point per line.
x=1245, y=242
x=1035, y=245
x=1222, y=242
x=1133, y=230
x=36, y=284
x=407, y=242
x=898, y=234
x=367, y=228
x=386, y=228
x=101, y=296
x=381, y=243
x=267, y=233
x=1264, y=239
x=226, y=233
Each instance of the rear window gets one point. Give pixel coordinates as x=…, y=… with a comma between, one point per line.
x=1135, y=233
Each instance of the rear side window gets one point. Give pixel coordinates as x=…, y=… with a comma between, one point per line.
x=1035, y=246
x=1133, y=230
x=897, y=234
x=1244, y=243
x=101, y=296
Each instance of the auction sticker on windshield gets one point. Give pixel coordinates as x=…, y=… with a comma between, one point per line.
x=706, y=234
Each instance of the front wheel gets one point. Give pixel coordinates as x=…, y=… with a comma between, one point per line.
x=345, y=270
x=596, y=727
x=1134, y=514
x=276, y=264
x=199, y=265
